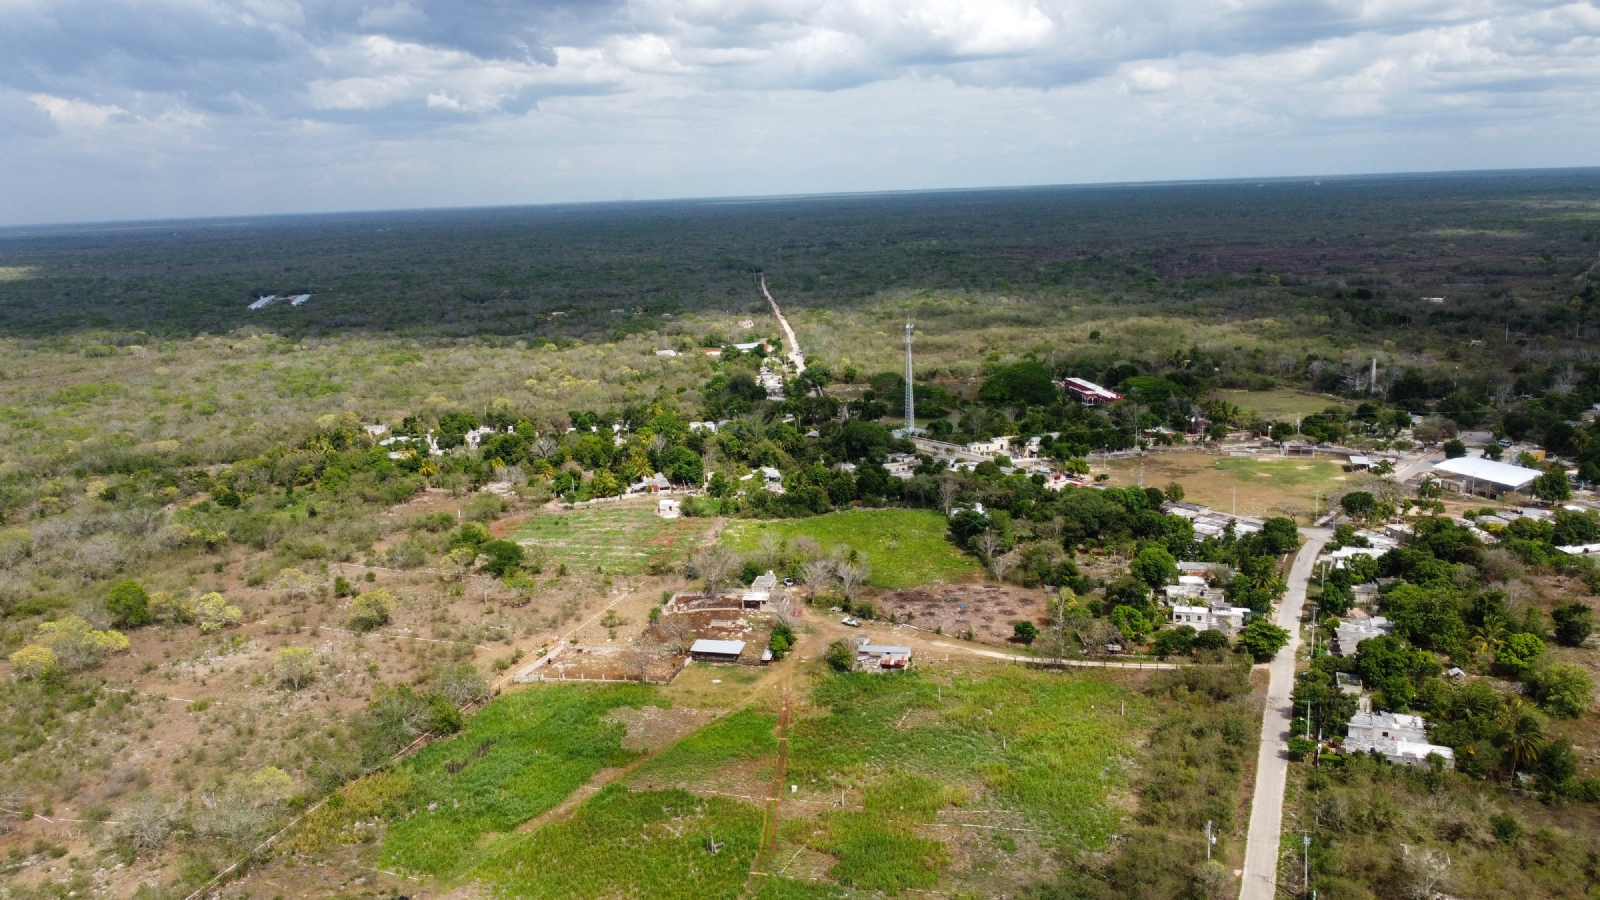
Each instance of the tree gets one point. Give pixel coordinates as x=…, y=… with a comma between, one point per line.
x=35, y=661
x=714, y=565
x=841, y=656
x=1553, y=486
x=128, y=605
x=1519, y=651
x=1279, y=536
x=1176, y=641
x=1391, y=667
x=74, y=643
x=852, y=575
x=1520, y=736
x=1154, y=566
x=1262, y=639
x=1359, y=505
x=370, y=611
x=817, y=572
x=1132, y=622
x=213, y=612
x=455, y=565
x=1573, y=622
x=503, y=557
x=683, y=466
x=1127, y=591
x=1562, y=690
x=294, y=666
x=1025, y=632
x=460, y=684
x=1211, y=640
x=781, y=639
x=1454, y=449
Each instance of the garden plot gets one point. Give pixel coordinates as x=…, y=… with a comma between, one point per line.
x=990, y=611
x=623, y=540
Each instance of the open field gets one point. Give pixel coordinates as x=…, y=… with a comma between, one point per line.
x=1264, y=486
x=989, y=611
x=1281, y=404
x=625, y=539
x=906, y=547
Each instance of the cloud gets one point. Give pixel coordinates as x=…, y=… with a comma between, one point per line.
x=621, y=81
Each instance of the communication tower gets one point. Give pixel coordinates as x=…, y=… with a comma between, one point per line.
x=911, y=403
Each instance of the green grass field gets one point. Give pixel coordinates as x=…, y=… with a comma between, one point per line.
x=519, y=756
x=906, y=547
x=1281, y=404
x=622, y=843
x=740, y=736
x=619, y=540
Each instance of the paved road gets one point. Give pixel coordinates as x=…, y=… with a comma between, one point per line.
x=797, y=358
x=1417, y=467
x=1272, y=761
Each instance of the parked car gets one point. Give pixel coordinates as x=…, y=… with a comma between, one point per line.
x=852, y=621
x=788, y=582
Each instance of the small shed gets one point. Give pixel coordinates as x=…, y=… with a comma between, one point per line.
x=1360, y=463
x=704, y=650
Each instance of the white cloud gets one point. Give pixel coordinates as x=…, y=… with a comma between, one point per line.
x=660, y=97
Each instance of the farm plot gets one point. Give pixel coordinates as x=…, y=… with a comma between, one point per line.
x=1264, y=486
x=906, y=547
x=517, y=757
x=611, y=662
x=619, y=540
x=974, y=783
x=989, y=611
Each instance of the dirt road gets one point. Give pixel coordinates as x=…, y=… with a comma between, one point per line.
x=796, y=358
x=1272, y=760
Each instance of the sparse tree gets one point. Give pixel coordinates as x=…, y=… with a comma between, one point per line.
x=212, y=612
x=295, y=666
x=852, y=575
x=1003, y=564
x=458, y=562
x=714, y=565
x=947, y=493
x=818, y=572
x=370, y=611
x=460, y=683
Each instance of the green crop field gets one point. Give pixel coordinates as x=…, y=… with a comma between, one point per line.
x=624, y=540
x=906, y=547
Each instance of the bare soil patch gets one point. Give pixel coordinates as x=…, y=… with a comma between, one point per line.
x=990, y=611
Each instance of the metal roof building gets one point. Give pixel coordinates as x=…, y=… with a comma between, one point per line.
x=704, y=650
x=1475, y=475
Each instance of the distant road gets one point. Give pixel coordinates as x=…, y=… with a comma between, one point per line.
x=1272, y=760
x=795, y=356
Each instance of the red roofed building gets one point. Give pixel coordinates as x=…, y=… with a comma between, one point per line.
x=1088, y=392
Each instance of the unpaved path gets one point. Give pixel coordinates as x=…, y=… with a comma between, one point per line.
x=796, y=358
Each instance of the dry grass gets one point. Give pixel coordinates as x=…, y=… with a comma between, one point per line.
x=1266, y=486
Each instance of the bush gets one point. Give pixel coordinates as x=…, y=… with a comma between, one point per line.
x=370, y=610
x=841, y=656
x=1211, y=640
x=1519, y=651
x=1177, y=641
x=782, y=639
x=1573, y=621
x=1563, y=690
x=213, y=613
x=128, y=605
x=504, y=557
x=1300, y=748
x=1025, y=632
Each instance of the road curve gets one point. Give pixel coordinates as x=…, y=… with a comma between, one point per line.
x=797, y=358
x=1272, y=760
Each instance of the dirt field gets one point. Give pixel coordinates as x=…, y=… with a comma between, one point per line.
x=612, y=662
x=1261, y=486
x=989, y=610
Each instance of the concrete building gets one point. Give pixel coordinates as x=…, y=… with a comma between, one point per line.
x=704, y=650
x=1089, y=393
x=1351, y=632
x=1399, y=737
x=881, y=657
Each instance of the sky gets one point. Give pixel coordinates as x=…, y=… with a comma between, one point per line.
x=116, y=110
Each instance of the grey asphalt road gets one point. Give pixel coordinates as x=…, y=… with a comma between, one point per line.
x=1272, y=760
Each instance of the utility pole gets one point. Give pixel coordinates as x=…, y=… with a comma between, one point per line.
x=1305, y=840
x=911, y=400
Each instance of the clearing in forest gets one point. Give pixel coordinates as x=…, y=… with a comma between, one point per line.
x=1280, y=404
x=906, y=547
x=623, y=540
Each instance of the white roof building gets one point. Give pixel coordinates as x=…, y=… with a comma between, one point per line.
x=1399, y=737
x=1351, y=632
x=1474, y=474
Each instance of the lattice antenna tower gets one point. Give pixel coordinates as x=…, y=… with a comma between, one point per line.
x=911, y=404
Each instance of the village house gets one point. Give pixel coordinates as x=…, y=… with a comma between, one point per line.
x=704, y=650
x=881, y=657
x=1355, y=629
x=1401, y=738
x=1087, y=392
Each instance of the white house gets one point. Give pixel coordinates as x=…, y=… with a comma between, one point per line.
x=990, y=447
x=1486, y=477
x=1352, y=631
x=667, y=508
x=1399, y=737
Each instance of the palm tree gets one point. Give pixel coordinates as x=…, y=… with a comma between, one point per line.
x=1520, y=736
x=1489, y=637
